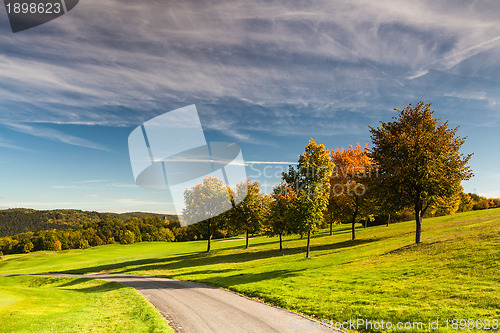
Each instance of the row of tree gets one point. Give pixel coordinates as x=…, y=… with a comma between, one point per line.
x=415, y=163
x=272, y=215
x=477, y=202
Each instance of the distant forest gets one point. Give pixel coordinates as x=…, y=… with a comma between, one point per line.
x=75, y=229
x=19, y=220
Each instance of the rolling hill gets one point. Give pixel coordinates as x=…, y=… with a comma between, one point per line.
x=19, y=220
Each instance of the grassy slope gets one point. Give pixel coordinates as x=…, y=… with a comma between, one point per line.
x=40, y=304
x=380, y=276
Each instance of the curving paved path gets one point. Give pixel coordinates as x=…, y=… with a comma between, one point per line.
x=196, y=307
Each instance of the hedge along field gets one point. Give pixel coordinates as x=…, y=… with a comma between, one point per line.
x=46, y=304
x=383, y=275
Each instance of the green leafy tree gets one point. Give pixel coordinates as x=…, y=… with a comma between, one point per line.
x=249, y=214
x=308, y=213
x=495, y=203
x=164, y=235
x=480, y=203
x=419, y=160
x=465, y=202
x=127, y=237
x=311, y=181
x=448, y=206
x=28, y=247
x=83, y=244
x=205, y=202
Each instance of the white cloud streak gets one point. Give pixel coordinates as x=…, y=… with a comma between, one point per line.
x=92, y=181
x=54, y=135
x=9, y=145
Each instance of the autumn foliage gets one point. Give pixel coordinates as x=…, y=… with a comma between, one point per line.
x=419, y=160
x=349, y=182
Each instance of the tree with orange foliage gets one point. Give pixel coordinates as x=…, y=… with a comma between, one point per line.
x=349, y=182
x=279, y=223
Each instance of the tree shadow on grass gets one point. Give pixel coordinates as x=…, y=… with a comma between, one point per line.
x=107, y=286
x=73, y=282
x=142, y=283
x=242, y=278
x=203, y=272
x=344, y=244
x=141, y=262
x=213, y=258
x=123, y=264
x=415, y=247
x=102, y=288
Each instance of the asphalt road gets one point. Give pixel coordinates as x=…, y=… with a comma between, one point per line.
x=198, y=308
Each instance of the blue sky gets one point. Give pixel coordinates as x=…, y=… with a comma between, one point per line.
x=267, y=75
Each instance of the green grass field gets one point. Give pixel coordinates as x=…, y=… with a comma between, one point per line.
x=42, y=304
x=454, y=274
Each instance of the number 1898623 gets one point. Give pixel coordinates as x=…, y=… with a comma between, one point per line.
x=34, y=8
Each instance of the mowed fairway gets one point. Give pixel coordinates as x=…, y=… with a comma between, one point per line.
x=454, y=274
x=41, y=304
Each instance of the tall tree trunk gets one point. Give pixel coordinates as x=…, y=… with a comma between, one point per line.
x=331, y=228
x=353, y=230
x=209, y=232
x=281, y=243
x=354, y=223
x=308, y=252
x=418, y=220
x=365, y=222
x=246, y=247
x=389, y=220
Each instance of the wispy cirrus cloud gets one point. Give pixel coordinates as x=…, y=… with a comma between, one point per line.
x=91, y=181
x=7, y=144
x=84, y=184
x=135, y=62
x=35, y=204
x=54, y=135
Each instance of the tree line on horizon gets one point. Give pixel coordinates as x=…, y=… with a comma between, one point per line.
x=14, y=221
